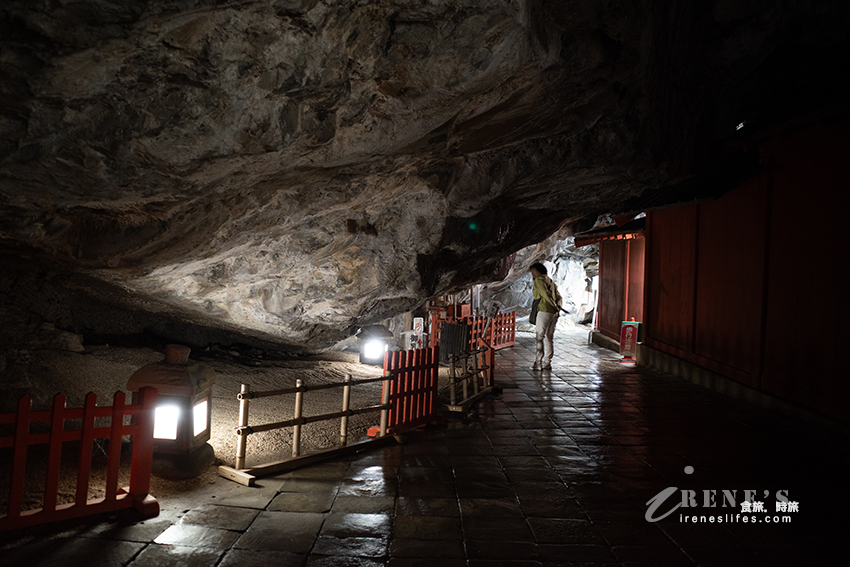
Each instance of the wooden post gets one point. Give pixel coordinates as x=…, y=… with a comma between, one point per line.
x=57, y=426
x=114, y=461
x=84, y=466
x=465, y=378
x=385, y=399
x=475, y=370
x=242, y=439
x=452, y=380
x=343, y=422
x=19, y=458
x=140, y=468
x=296, y=429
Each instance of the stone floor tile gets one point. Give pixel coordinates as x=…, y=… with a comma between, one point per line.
x=531, y=474
x=197, y=536
x=427, y=528
x=424, y=489
x=73, y=551
x=634, y=532
x=426, y=460
x=652, y=555
x=708, y=535
x=293, y=532
x=517, y=450
x=481, y=461
x=428, y=549
x=262, y=558
x=127, y=530
x=497, y=529
x=490, y=507
x=485, y=489
x=256, y=497
x=535, y=460
x=538, y=506
x=479, y=474
x=412, y=506
x=504, y=550
x=428, y=474
x=351, y=546
x=302, y=502
x=156, y=555
x=333, y=470
x=425, y=562
x=357, y=525
x=613, y=510
x=223, y=517
x=372, y=471
x=512, y=436
x=504, y=563
x=552, y=490
x=364, y=504
x=309, y=486
x=564, y=531
x=342, y=561
x=368, y=485
x=576, y=554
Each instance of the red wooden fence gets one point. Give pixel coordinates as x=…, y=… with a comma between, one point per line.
x=501, y=332
x=435, y=330
x=136, y=495
x=413, y=387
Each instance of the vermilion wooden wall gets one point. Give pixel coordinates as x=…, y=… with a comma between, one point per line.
x=621, y=268
x=753, y=286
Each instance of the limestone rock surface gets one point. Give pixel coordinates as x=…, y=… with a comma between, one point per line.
x=288, y=169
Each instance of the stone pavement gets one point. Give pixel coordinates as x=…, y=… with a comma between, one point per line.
x=555, y=470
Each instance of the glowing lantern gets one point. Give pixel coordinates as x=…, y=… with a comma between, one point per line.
x=183, y=414
x=374, y=342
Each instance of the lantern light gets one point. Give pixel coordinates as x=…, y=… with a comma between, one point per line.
x=165, y=422
x=183, y=415
x=375, y=341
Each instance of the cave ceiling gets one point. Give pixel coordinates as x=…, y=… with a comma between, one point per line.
x=288, y=169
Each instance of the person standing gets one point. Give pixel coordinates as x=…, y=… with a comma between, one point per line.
x=545, y=294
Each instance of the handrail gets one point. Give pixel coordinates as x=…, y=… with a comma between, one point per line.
x=480, y=376
x=303, y=388
x=240, y=473
x=408, y=399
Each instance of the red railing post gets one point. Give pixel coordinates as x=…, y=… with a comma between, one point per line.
x=140, y=469
x=57, y=427
x=115, y=433
x=19, y=457
x=86, y=441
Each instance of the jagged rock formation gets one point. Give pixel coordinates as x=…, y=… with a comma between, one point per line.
x=285, y=169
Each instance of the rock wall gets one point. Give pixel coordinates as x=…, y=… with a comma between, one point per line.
x=572, y=269
x=289, y=169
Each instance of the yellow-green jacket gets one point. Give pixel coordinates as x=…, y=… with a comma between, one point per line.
x=546, y=291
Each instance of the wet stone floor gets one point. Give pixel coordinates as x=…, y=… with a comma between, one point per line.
x=561, y=467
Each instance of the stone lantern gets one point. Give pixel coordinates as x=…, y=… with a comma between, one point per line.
x=183, y=413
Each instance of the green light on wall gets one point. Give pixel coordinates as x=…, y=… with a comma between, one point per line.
x=473, y=226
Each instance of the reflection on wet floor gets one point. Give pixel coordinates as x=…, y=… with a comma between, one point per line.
x=558, y=469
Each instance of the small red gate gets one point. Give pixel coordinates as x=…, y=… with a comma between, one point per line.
x=136, y=495
x=412, y=389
